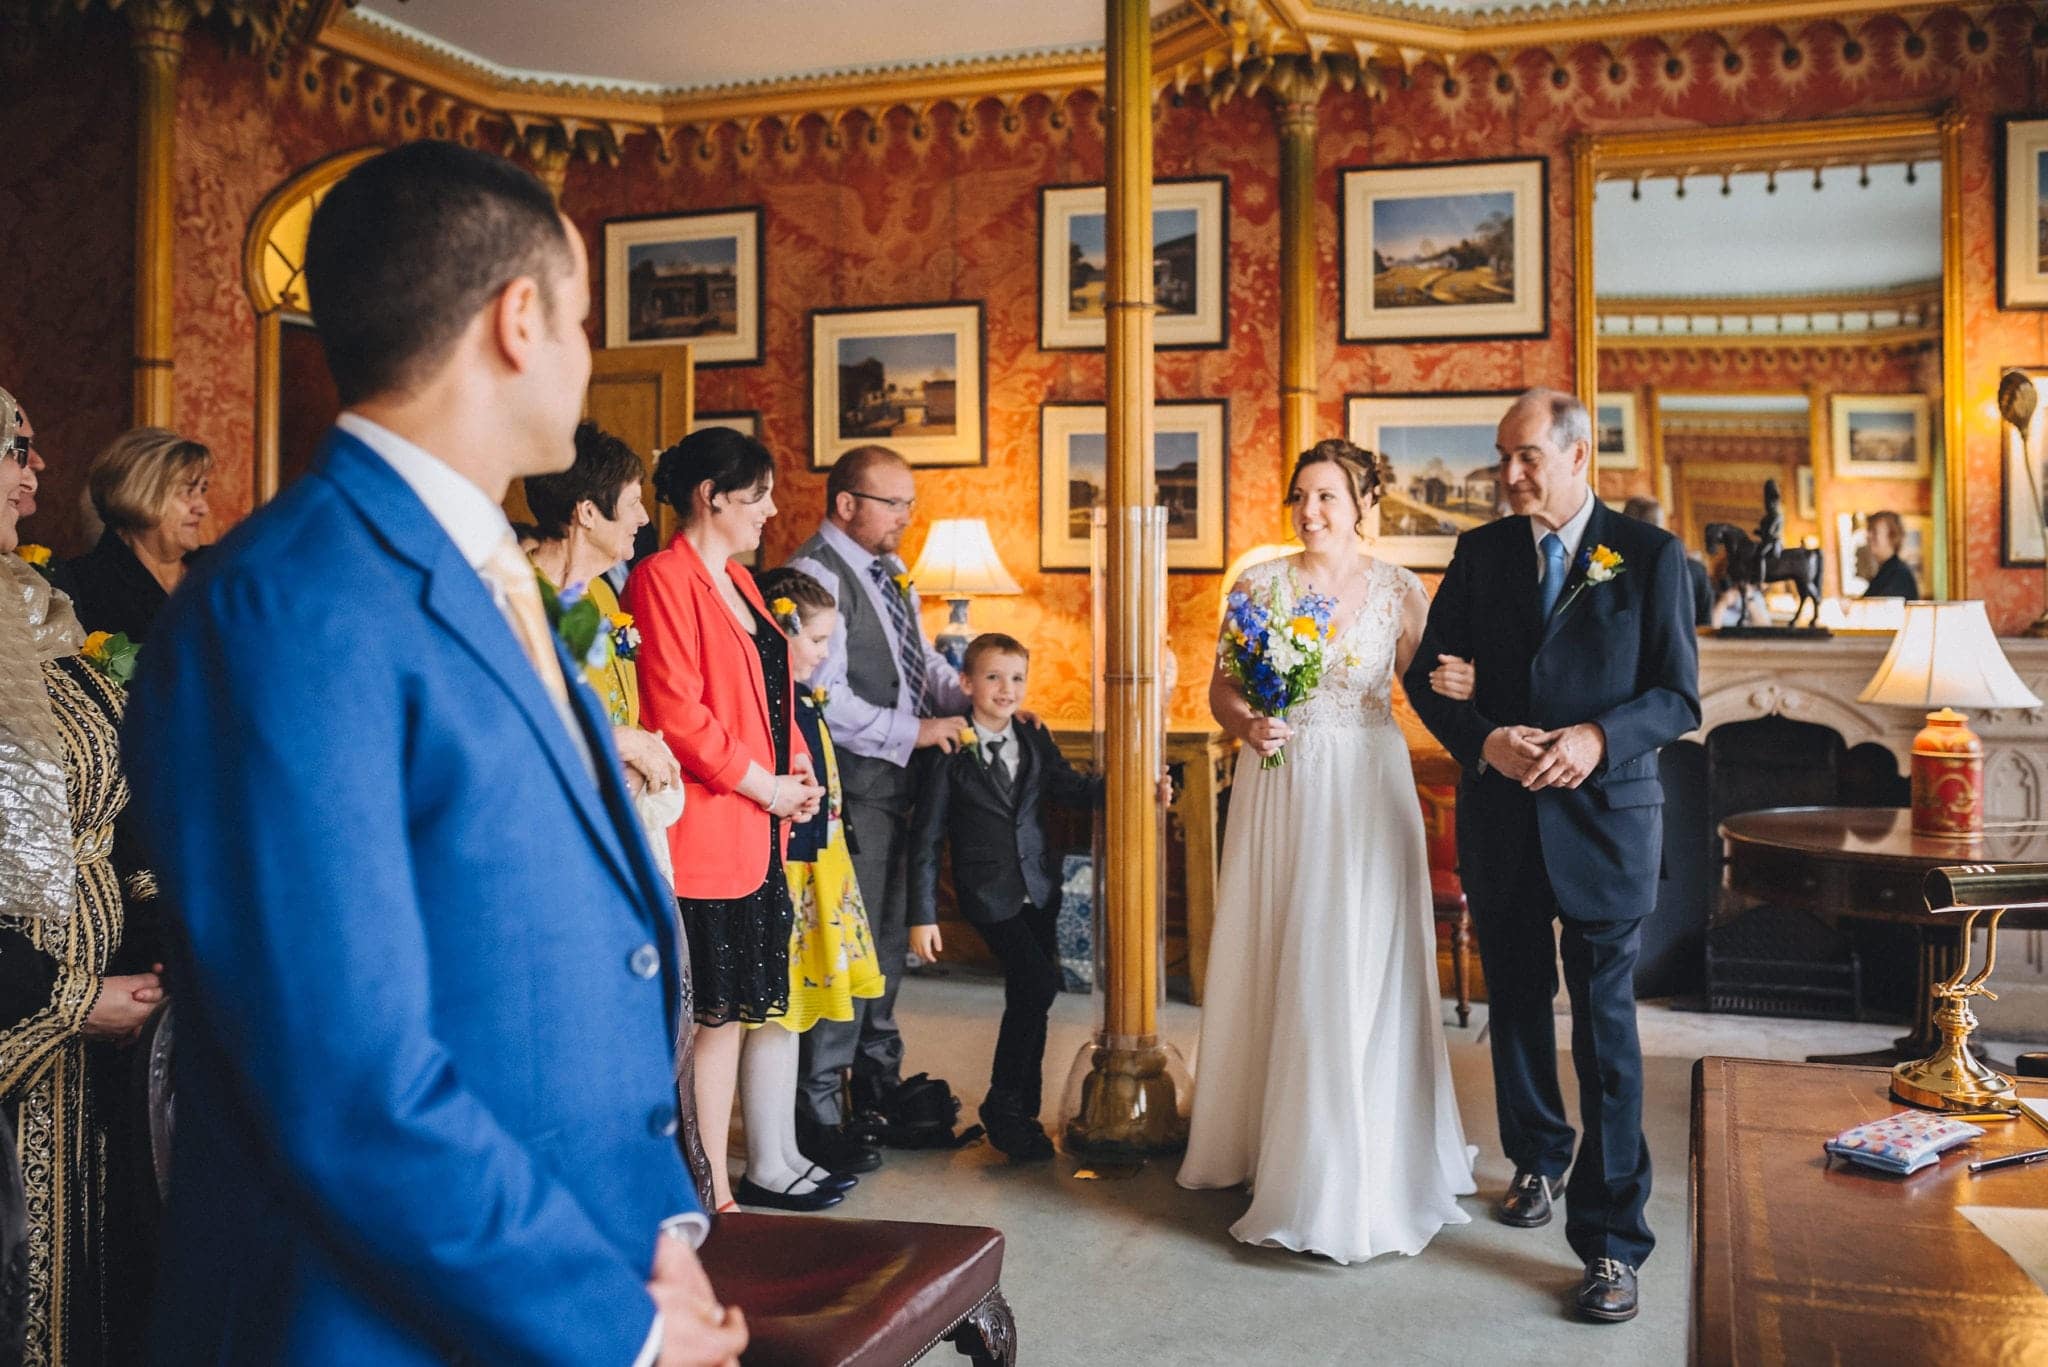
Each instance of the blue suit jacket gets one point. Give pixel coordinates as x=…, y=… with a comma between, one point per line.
x=1622, y=654
x=425, y=975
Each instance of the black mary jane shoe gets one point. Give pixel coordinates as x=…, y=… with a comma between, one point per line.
x=831, y=1181
x=1607, y=1293
x=748, y=1193
x=1526, y=1203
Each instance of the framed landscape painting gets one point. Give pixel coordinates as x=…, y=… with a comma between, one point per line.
x=1616, y=445
x=1880, y=436
x=2023, y=214
x=1446, y=469
x=1189, y=440
x=692, y=278
x=909, y=378
x=1190, y=252
x=1455, y=249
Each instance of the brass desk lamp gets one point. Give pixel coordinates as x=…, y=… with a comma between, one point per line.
x=1951, y=1079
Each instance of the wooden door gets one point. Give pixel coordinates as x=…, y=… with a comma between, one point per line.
x=645, y=396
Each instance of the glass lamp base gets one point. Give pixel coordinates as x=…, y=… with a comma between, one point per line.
x=1125, y=1098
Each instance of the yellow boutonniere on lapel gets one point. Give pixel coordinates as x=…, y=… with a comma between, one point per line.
x=1596, y=566
x=969, y=738
x=903, y=585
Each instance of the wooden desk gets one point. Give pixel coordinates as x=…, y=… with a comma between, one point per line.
x=1794, y=1261
x=1864, y=862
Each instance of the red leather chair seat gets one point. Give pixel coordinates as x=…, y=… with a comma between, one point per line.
x=848, y=1293
x=1446, y=892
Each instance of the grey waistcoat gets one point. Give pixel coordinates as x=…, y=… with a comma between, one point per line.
x=870, y=659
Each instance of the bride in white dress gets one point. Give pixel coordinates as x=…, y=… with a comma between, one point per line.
x=1321, y=1077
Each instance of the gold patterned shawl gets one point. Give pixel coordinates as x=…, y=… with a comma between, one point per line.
x=37, y=867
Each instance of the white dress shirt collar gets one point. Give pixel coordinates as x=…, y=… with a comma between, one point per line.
x=1007, y=736
x=858, y=558
x=476, y=525
x=1571, y=533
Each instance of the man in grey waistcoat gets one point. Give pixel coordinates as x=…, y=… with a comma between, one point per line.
x=887, y=694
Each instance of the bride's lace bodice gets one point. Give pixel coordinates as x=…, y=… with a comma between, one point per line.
x=1357, y=687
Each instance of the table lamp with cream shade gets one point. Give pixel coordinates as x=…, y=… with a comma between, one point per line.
x=959, y=561
x=1944, y=657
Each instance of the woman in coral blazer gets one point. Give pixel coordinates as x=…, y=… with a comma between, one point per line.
x=715, y=683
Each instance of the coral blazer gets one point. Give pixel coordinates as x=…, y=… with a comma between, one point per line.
x=701, y=687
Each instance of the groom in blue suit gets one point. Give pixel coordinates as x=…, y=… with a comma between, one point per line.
x=1578, y=622
x=426, y=970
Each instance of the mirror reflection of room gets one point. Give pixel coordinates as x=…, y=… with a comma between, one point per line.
x=1776, y=325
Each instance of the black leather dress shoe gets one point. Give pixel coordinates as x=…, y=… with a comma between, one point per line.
x=832, y=1181
x=1608, y=1292
x=1019, y=1136
x=835, y=1150
x=749, y=1194
x=1526, y=1204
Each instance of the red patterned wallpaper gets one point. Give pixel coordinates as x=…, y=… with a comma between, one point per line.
x=908, y=218
x=67, y=217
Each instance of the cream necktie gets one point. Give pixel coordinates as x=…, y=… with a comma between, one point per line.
x=518, y=594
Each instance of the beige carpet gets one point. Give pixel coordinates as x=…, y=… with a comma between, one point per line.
x=1139, y=1271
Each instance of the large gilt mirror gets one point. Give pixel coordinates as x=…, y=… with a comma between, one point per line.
x=1778, y=304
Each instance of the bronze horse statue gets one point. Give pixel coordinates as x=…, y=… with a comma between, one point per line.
x=1800, y=565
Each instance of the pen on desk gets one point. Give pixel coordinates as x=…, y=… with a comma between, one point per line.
x=2009, y=1160
x=1976, y=1117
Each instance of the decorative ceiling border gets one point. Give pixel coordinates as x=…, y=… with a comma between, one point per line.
x=1208, y=49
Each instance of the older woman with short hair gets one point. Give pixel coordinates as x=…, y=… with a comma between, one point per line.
x=149, y=488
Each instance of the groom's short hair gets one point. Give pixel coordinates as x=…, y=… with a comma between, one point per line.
x=410, y=246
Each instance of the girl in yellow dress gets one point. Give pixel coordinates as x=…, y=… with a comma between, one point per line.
x=832, y=957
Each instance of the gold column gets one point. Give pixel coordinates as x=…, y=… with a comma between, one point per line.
x=1954, y=474
x=1585, y=318
x=158, y=45
x=1297, y=84
x=1128, y=1104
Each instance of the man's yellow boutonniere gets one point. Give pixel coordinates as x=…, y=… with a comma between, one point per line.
x=38, y=557
x=112, y=654
x=903, y=585
x=1596, y=566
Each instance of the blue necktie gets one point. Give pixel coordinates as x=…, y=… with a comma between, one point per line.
x=1553, y=572
x=909, y=639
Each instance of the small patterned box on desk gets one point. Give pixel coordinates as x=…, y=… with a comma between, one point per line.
x=1902, y=1143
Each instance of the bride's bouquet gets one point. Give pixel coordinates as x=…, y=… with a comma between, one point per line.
x=1275, y=650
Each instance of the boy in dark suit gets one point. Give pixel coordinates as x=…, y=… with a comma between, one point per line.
x=988, y=799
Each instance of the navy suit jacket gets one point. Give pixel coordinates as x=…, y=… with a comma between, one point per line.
x=425, y=970
x=1621, y=653
x=1001, y=858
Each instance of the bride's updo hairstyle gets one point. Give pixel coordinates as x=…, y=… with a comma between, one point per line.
x=1366, y=474
x=731, y=460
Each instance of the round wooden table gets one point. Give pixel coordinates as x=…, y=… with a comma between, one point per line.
x=1865, y=863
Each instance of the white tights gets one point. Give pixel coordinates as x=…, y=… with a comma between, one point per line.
x=768, y=1068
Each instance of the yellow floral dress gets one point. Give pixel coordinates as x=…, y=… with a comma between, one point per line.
x=832, y=957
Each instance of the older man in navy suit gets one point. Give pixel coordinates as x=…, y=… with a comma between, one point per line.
x=1578, y=623
x=427, y=976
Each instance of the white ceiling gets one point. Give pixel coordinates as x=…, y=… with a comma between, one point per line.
x=667, y=45
x=1797, y=241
